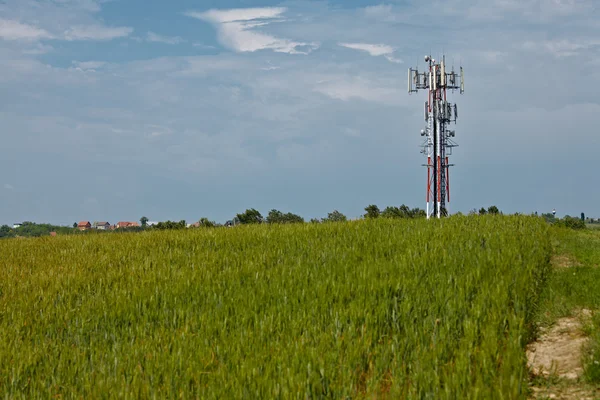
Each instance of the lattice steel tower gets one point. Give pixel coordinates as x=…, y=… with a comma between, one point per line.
x=438, y=144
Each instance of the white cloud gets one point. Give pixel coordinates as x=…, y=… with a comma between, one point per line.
x=203, y=46
x=545, y=9
x=489, y=10
x=236, y=30
x=38, y=49
x=14, y=30
x=349, y=88
x=88, y=65
x=492, y=56
x=380, y=11
x=561, y=48
x=8, y=186
x=375, y=50
x=154, y=37
x=96, y=32
x=155, y=131
x=239, y=14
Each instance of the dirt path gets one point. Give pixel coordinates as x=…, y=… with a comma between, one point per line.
x=564, y=261
x=557, y=357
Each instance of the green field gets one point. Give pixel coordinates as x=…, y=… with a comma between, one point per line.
x=574, y=285
x=367, y=309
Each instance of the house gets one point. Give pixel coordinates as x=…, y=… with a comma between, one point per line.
x=53, y=234
x=84, y=225
x=103, y=226
x=125, y=224
x=17, y=225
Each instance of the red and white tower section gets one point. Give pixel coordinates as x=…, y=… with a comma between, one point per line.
x=438, y=144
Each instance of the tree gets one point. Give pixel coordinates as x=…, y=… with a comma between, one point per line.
x=166, y=225
x=75, y=224
x=372, y=211
x=493, y=210
x=277, y=217
x=549, y=217
x=391, y=212
x=274, y=217
x=250, y=216
x=405, y=211
x=6, y=231
x=418, y=213
x=571, y=222
x=206, y=223
x=335, y=216
x=144, y=221
x=482, y=211
x=31, y=229
x=315, y=221
x=583, y=217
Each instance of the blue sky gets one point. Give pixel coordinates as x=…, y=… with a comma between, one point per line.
x=111, y=110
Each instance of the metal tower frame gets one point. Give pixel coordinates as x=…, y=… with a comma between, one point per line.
x=438, y=143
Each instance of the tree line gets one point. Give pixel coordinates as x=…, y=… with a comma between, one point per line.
x=253, y=216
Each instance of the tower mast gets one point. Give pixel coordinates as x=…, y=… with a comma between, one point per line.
x=438, y=143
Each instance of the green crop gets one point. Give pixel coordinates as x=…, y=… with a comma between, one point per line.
x=573, y=286
x=366, y=309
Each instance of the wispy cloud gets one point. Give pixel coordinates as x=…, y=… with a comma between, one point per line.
x=529, y=9
x=15, y=30
x=96, y=32
x=493, y=56
x=353, y=88
x=203, y=46
x=155, y=37
x=236, y=30
x=37, y=49
x=8, y=186
x=563, y=47
x=91, y=66
x=380, y=11
x=375, y=50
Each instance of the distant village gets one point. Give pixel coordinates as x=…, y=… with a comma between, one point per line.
x=107, y=226
x=103, y=226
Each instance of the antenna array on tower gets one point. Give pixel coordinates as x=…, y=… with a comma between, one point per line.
x=438, y=114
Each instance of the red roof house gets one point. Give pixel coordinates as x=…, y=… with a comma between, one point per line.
x=84, y=225
x=125, y=224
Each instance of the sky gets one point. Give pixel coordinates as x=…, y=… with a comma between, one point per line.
x=117, y=109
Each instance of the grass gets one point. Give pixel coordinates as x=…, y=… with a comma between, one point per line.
x=385, y=309
x=574, y=285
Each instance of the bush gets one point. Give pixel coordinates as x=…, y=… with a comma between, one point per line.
x=571, y=223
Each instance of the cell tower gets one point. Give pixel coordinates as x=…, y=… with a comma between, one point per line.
x=438, y=144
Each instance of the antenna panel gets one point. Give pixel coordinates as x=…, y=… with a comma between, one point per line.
x=443, y=74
